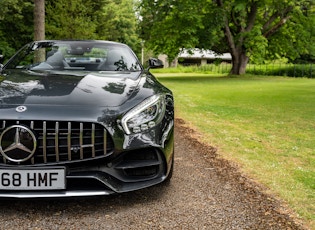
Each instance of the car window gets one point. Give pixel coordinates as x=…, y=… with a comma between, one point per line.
x=85, y=56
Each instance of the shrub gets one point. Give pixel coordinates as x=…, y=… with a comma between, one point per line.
x=273, y=69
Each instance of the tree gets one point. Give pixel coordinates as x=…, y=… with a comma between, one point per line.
x=39, y=27
x=39, y=20
x=253, y=25
x=167, y=26
x=118, y=22
x=16, y=18
x=247, y=29
x=69, y=20
x=113, y=20
x=76, y=19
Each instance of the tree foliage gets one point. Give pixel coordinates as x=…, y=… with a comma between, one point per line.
x=249, y=29
x=16, y=25
x=118, y=22
x=113, y=20
x=167, y=26
x=76, y=19
x=69, y=20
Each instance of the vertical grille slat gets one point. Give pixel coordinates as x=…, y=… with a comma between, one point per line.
x=105, y=141
x=64, y=141
x=93, y=140
x=69, y=141
x=44, y=142
x=81, y=141
x=57, y=141
x=32, y=127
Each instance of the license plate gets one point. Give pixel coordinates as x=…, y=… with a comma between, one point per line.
x=33, y=179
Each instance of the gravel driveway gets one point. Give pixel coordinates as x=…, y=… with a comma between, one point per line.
x=204, y=193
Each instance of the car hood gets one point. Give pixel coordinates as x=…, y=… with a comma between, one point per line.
x=106, y=89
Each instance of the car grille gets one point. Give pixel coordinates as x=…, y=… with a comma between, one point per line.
x=62, y=141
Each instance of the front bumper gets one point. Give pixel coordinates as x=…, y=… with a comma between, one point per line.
x=132, y=170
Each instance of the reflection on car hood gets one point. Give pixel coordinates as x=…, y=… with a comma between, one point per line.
x=80, y=89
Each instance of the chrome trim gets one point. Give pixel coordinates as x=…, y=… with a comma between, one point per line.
x=81, y=141
x=105, y=141
x=56, y=194
x=57, y=141
x=21, y=109
x=16, y=143
x=32, y=127
x=93, y=140
x=69, y=141
x=45, y=141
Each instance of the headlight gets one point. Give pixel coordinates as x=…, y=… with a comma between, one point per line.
x=144, y=116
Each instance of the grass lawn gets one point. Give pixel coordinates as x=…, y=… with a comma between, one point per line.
x=265, y=124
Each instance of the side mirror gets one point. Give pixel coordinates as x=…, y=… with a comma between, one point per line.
x=155, y=63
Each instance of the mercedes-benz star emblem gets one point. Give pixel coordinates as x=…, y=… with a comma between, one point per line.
x=21, y=109
x=17, y=143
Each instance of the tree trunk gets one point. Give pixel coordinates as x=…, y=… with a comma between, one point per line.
x=39, y=26
x=238, y=52
x=39, y=20
x=239, y=63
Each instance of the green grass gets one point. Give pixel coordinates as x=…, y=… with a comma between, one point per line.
x=265, y=124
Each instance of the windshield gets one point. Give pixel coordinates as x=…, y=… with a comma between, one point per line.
x=75, y=55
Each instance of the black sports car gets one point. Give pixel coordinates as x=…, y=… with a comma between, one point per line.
x=82, y=118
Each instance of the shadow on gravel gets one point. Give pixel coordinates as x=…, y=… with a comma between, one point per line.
x=87, y=205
